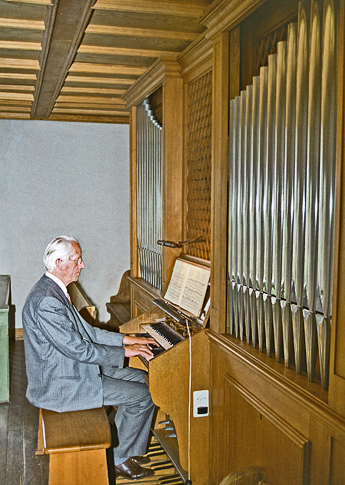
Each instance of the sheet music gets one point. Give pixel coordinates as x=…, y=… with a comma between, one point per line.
x=177, y=283
x=187, y=287
x=194, y=292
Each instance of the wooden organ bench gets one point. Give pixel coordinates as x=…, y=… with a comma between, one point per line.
x=76, y=443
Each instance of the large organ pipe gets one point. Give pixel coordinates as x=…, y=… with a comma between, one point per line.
x=300, y=192
x=260, y=216
x=253, y=208
x=312, y=188
x=149, y=194
x=288, y=203
x=248, y=178
x=327, y=187
x=281, y=198
x=278, y=198
x=269, y=201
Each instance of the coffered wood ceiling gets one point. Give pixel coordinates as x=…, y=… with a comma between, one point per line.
x=74, y=59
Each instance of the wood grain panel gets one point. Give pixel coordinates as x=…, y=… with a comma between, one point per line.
x=337, y=471
x=257, y=436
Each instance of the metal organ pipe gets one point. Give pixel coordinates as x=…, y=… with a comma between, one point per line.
x=281, y=198
x=149, y=194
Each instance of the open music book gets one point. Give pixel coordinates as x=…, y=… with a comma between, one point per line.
x=187, y=287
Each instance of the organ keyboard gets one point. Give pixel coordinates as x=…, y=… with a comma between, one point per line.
x=170, y=330
x=163, y=333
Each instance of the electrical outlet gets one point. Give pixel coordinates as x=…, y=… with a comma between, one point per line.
x=200, y=403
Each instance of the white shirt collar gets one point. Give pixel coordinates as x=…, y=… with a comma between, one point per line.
x=58, y=282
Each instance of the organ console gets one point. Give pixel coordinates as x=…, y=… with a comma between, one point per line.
x=179, y=367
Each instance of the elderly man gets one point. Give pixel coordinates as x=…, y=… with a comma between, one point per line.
x=72, y=366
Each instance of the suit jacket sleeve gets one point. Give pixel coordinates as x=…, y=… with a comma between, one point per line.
x=74, y=338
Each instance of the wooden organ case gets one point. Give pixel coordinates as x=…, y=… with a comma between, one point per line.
x=157, y=106
x=262, y=412
x=175, y=373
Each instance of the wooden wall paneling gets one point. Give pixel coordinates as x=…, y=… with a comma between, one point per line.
x=172, y=226
x=258, y=394
x=142, y=295
x=259, y=436
x=321, y=452
x=327, y=459
x=337, y=364
x=234, y=62
x=218, y=457
x=337, y=469
x=219, y=196
x=170, y=371
x=257, y=410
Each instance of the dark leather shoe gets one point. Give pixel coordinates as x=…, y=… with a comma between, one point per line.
x=130, y=469
x=141, y=460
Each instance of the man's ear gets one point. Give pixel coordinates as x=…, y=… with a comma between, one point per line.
x=58, y=263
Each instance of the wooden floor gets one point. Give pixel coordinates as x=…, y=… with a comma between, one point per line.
x=18, y=439
x=18, y=430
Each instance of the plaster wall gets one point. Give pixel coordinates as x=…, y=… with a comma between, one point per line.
x=64, y=178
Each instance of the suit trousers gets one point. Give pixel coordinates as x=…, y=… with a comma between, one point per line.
x=126, y=388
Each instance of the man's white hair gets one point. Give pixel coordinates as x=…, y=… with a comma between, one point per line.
x=58, y=248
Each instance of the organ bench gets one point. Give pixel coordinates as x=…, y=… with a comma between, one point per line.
x=76, y=443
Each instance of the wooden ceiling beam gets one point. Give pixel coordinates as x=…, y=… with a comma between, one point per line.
x=30, y=64
x=16, y=87
x=16, y=109
x=22, y=24
x=19, y=45
x=37, y=2
x=89, y=111
x=16, y=96
x=90, y=106
x=88, y=99
x=18, y=76
x=181, y=8
x=122, y=119
x=7, y=115
x=106, y=68
x=98, y=80
x=67, y=89
x=10, y=102
x=121, y=51
x=66, y=23
x=137, y=32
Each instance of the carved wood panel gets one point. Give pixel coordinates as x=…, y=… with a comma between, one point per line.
x=258, y=436
x=198, y=185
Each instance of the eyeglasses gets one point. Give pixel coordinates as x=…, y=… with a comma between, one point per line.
x=77, y=261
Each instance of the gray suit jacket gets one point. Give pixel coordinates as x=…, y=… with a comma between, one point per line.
x=64, y=353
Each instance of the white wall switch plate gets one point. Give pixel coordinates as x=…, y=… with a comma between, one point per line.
x=200, y=403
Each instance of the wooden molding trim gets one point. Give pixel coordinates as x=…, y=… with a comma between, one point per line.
x=197, y=56
x=225, y=15
x=276, y=375
x=123, y=119
x=152, y=79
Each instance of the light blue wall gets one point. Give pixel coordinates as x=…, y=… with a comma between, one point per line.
x=64, y=178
